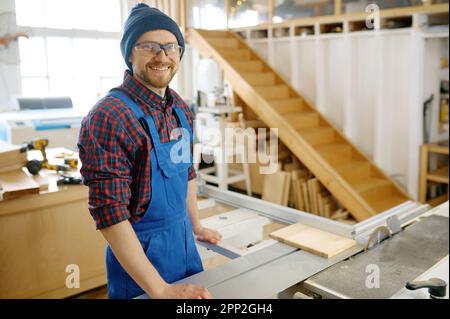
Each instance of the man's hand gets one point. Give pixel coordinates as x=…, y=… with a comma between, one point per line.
x=183, y=291
x=207, y=235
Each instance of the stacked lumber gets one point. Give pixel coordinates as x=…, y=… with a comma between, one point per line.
x=295, y=186
x=11, y=158
x=14, y=181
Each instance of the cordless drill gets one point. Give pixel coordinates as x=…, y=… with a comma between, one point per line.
x=34, y=166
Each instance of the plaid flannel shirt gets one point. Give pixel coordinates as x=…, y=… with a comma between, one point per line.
x=115, y=151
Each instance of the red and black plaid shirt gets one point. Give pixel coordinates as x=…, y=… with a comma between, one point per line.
x=115, y=151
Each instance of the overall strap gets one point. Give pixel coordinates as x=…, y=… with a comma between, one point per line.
x=128, y=102
x=150, y=123
x=183, y=121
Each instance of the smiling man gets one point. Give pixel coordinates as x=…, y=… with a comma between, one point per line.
x=143, y=202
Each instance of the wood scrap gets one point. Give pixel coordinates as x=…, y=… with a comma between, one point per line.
x=276, y=188
x=17, y=183
x=305, y=194
x=11, y=159
x=313, y=240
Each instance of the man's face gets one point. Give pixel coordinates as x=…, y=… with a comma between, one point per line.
x=155, y=70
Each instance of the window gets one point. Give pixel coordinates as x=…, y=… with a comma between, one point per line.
x=244, y=13
x=207, y=14
x=293, y=9
x=69, y=56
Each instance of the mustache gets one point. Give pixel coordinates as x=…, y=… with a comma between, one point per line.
x=160, y=65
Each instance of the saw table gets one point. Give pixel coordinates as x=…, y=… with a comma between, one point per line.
x=406, y=243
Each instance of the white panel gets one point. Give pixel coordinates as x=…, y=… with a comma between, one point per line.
x=262, y=49
x=333, y=84
x=397, y=72
x=363, y=84
x=282, y=58
x=307, y=71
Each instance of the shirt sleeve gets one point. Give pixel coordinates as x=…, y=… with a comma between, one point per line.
x=106, y=156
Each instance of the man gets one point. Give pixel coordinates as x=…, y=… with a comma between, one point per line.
x=144, y=202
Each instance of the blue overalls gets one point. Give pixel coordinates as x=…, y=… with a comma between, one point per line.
x=165, y=231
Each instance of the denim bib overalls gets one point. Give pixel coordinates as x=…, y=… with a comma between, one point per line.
x=165, y=231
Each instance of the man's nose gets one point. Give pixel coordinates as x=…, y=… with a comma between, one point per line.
x=161, y=55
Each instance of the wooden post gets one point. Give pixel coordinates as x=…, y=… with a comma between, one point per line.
x=227, y=11
x=423, y=173
x=337, y=7
x=182, y=16
x=271, y=10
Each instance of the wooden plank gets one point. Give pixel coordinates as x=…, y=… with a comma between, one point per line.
x=260, y=79
x=313, y=240
x=276, y=188
x=273, y=92
x=247, y=66
x=303, y=120
x=305, y=194
x=439, y=175
x=286, y=106
x=17, y=183
x=318, y=135
x=11, y=159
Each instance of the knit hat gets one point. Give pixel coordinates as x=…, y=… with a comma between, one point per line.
x=143, y=19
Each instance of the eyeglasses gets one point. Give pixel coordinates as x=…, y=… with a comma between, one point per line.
x=151, y=49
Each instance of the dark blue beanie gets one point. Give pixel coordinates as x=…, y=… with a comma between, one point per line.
x=143, y=19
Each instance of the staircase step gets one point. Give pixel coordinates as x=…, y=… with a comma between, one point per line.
x=236, y=54
x=288, y=105
x=319, y=135
x=247, y=66
x=355, y=170
x=383, y=204
x=370, y=184
x=216, y=34
x=223, y=43
x=303, y=120
x=273, y=92
x=336, y=154
x=260, y=79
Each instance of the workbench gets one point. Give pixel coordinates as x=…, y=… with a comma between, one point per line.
x=42, y=234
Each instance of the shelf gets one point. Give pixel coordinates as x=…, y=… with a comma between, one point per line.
x=439, y=175
x=437, y=201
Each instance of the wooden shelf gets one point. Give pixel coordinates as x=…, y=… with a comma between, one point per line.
x=438, y=200
x=439, y=175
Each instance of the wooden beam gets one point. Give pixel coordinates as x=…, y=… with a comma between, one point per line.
x=271, y=10
x=337, y=7
x=227, y=12
x=355, y=16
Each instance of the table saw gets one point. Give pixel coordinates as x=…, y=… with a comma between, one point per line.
x=408, y=243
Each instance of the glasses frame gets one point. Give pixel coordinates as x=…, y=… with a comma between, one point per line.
x=162, y=47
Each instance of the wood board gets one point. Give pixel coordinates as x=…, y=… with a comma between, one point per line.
x=11, y=159
x=276, y=188
x=17, y=183
x=313, y=240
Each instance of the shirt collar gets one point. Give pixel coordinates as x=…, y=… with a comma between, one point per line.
x=139, y=91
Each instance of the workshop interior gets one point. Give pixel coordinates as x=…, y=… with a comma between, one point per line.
x=328, y=179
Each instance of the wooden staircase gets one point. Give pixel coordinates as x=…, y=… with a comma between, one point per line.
x=352, y=178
